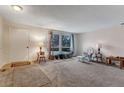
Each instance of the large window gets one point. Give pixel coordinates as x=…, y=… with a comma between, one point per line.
x=66, y=43
x=55, y=42
x=61, y=42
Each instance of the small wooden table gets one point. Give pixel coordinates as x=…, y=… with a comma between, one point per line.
x=119, y=59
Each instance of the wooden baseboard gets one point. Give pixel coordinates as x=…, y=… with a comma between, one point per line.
x=15, y=64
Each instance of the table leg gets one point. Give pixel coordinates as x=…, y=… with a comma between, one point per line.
x=106, y=61
x=109, y=61
x=121, y=64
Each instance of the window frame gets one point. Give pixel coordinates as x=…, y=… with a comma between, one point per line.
x=60, y=40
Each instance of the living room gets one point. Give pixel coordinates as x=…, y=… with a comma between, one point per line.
x=61, y=46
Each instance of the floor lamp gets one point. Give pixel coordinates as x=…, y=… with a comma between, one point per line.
x=99, y=46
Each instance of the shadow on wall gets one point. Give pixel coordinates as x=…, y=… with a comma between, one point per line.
x=111, y=50
x=109, y=47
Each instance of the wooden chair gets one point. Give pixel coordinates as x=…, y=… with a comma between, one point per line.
x=41, y=57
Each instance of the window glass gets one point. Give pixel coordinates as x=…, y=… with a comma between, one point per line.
x=63, y=45
x=55, y=41
x=66, y=41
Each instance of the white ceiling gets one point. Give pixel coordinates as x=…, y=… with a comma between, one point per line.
x=75, y=18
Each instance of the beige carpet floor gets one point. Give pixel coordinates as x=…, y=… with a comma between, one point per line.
x=24, y=76
x=63, y=73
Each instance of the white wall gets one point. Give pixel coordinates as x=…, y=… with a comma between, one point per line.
x=75, y=44
x=4, y=48
x=15, y=38
x=1, y=42
x=112, y=40
x=21, y=37
x=6, y=41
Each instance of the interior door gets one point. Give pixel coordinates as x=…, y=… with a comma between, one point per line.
x=19, y=49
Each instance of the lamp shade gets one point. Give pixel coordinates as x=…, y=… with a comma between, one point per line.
x=40, y=44
x=99, y=45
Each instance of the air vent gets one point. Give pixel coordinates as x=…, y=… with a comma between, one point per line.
x=122, y=24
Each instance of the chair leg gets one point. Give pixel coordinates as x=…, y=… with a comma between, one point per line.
x=44, y=59
x=39, y=61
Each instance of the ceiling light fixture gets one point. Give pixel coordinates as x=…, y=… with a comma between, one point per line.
x=17, y=7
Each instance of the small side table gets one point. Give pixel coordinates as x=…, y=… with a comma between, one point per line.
x=99, y=57
x=120, y=60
